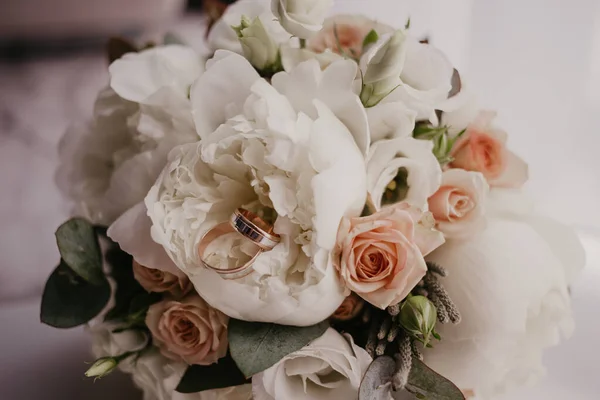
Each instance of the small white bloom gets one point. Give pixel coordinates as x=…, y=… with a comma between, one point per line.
x=292, y=56
x=222, y=36
x=301, y=18
x=158, y=378
x=107, y=343
x=416, y=74
x=402, y=169
x=519, y=270
x=102, y=367
x=108, y=164
x=381, y=67
x=329, y=368
x=258, y=46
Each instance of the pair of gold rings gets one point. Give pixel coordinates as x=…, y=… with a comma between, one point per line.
x=251, y=227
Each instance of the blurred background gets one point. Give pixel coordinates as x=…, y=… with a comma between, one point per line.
x=536, y=61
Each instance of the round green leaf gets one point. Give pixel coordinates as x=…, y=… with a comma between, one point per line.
x=69, y=301
x=377, y=382
x=79, y=248
x=257, y=346
x=425, y=382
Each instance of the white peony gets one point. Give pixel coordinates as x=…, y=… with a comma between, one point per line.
x=158, y=377
x=222, y=36
x=402, y=169
x=296, y=147
x=106, y=343
x=301, y=18
x=329, y=368
x=511, y=285
x=108, y=164
x=416, y=74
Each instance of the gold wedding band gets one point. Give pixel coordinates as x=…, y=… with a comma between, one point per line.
x=251, y=227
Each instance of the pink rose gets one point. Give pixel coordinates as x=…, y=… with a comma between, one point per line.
x=188, y=330
x=380, y=257
x=483, y=149
x=157, y=281
x=350, y=308
x=458, y=205
x=351, y=33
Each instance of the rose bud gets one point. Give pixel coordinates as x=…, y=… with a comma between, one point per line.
x=350, y=308
x=418, y=317
x=102, y=367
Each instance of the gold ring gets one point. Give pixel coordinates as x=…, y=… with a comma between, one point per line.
x=213, y=234
x=252, y=227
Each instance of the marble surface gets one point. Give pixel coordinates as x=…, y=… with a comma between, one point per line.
x=536, y=61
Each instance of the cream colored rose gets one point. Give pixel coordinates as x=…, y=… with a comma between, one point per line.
x=380, y=257
x=157, y=281
x=188, y=330
x=329, y=368
x=458, y=206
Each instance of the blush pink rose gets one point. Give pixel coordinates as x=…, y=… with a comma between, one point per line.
x=350, y=308
x=351, y=32
x=380, y=257
x=157, y=281
x=483, y=149
x=459, y=204
x=188, y=330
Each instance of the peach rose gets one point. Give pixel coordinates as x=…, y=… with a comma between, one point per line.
x=188, y=330
x=458, y=205
x=157, y=281
x=351, y=32
x=483, y=149
x=350, y=308
x=380, y=257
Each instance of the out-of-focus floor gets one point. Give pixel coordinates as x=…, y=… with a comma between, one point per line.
x=536, y=61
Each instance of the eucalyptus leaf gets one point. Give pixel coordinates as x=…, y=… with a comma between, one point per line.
x=69, y=301
x=377, y=382
x=425, y=382
x=223, y=374
x=79, y=248
x=257, y=346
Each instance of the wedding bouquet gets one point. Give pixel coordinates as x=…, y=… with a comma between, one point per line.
x=317, y=210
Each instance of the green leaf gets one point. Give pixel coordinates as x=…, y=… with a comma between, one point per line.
x=117, y=47
x=257, y=346
x=128, y=288
x=423, y=381
x=69, y=301
x=172, y=38
x=223, y=374
x=377, y=382
x=79, y=248
x=372, y=37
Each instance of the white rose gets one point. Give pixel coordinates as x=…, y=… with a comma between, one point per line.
x=329, y=368
x=459, y=205
x=402, y=169
x=106, y=343
x=422, y=75
x=108, y=164
x=301, y=18
x=222, y=36
x=258, y=46
x=518, y=270
x=291, y=147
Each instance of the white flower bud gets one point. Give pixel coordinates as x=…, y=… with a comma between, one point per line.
x=301, y=18
x=258, y=46
x=102, y=367
x=382, y=66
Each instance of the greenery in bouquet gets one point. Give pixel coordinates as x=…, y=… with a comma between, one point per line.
x=397, y=256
